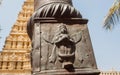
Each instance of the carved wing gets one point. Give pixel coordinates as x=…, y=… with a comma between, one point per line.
x=77, y=37
x=47, y=40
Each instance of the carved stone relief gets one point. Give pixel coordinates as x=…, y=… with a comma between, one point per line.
x=63, y=46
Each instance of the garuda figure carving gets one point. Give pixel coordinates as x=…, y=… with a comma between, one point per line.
x=65, y=45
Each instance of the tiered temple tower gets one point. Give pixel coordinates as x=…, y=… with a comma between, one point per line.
x=15, y=58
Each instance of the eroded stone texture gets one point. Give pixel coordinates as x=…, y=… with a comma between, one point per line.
x=62, y=46
x=60, y=40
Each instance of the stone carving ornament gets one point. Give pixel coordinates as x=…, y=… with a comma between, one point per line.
x=52, y=8
x=65, y=44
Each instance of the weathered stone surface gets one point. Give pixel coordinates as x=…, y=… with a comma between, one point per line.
x=73, y=56
x=60, y=40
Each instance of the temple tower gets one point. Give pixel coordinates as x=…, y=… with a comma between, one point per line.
x=15, y=58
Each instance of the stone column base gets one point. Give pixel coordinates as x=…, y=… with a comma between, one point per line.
x=69, y=72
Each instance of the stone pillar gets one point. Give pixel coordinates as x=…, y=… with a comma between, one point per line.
x=61, y=43
x=74, y=57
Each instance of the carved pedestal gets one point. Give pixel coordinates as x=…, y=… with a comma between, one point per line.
x=62, y=47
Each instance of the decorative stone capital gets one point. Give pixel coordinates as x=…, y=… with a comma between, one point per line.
x=45, y=2
x=40, y=3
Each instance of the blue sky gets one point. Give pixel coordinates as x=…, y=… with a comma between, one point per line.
x=105, y=43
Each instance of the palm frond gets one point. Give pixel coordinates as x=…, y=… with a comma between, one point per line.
x=113, y=16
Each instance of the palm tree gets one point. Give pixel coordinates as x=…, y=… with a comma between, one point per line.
x=113, y=16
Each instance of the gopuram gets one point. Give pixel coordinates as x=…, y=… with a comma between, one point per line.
x=60, y=40
x=14, y=57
